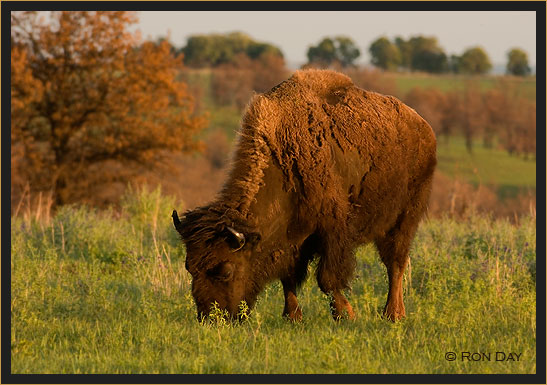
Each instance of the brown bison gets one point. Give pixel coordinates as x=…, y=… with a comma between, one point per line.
x=321, y=166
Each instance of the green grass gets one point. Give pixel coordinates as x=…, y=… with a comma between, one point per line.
x=448, y=82
x=507, y=174
x=94, y=292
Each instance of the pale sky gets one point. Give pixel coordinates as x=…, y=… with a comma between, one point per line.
x=294, y=31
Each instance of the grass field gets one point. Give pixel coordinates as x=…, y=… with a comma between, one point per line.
x=107, y=292
x=448, y=82
x=492, y=167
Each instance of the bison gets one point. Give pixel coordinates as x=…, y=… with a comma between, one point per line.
x=321, y=166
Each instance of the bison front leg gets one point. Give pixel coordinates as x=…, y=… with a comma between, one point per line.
x=292, y=310
x=332, y=284
x=340, y=307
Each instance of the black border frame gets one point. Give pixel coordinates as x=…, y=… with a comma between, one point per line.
x=538, y=6
x=275, y=5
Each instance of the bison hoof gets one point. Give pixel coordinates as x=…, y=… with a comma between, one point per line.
x=345, y=313
x=293, y=315
x=341, y=308
x=394, y=314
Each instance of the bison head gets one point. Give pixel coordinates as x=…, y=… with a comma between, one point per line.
x=218, y=259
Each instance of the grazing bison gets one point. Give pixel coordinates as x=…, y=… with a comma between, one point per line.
x=321, y=167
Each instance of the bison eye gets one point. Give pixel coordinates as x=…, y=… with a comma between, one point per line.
x=224, y=271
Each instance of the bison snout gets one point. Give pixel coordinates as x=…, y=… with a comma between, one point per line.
x=217, y=313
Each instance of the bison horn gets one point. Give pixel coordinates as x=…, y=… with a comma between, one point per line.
x=176, y=221
x=239, y=237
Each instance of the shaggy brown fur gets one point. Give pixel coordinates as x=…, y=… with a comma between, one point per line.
x=321, y=166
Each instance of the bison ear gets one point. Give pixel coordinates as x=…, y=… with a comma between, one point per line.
x=236, y=240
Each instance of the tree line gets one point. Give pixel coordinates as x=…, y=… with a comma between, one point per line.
x=421, y=53
x=418, y=53
x=500, y=116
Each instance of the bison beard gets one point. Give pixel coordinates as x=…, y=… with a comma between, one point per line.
x=321, y=166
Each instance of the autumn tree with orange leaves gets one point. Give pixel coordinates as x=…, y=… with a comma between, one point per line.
x=85, y=91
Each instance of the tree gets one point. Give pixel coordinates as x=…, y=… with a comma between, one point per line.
x=430, y=103
x=454, y=63
x=160, y=40
x=84, y=92
x=231, y=83
x=421, y=53
x=257, y=51
x=323, y=54
x=200, y=51
x=217, y=49
x=474, y=61
x=346, y=50
x=427, y=55
x=511, y=118
x=385, y=54
x=471, y=118
x=234, y=83
x=341, y=50
x=517, y=63
x=405, y=50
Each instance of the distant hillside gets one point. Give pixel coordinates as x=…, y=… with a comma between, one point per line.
x=497, y=69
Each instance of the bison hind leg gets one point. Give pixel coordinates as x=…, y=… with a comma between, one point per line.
x=394, y=247
x=393, y=250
